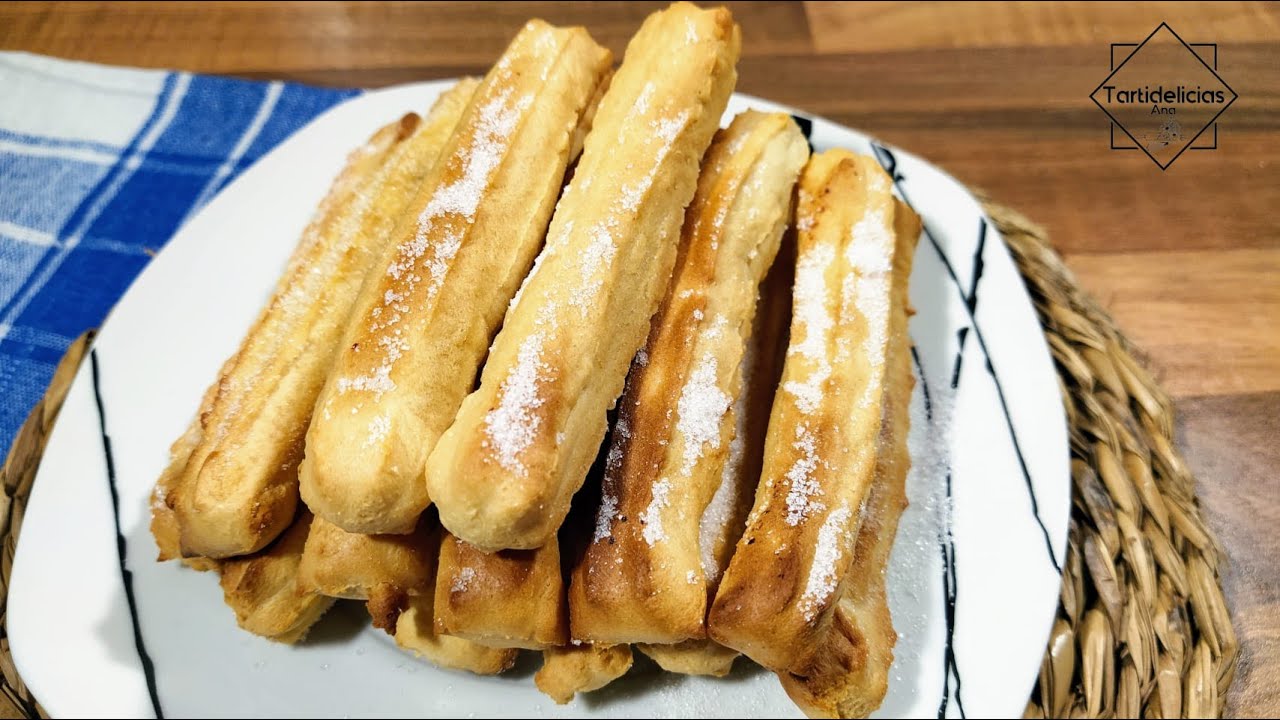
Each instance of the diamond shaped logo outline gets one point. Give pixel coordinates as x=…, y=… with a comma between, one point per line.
x=1133, y=46
x=1234, y=95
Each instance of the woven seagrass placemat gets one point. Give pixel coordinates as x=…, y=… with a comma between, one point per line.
x=1142, y=627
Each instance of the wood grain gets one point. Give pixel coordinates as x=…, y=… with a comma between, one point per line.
x=1187, y=259
x=235, y=37
x=1222, y=339
x=1230, y=444
x=854, y=27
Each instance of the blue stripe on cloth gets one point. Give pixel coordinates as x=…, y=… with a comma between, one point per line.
x=152, y=203
x=89, y=201
x=74, y=233
x=46, y=182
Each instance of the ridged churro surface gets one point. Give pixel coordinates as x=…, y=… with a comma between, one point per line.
x=505, y=471
x=423, y=322
x=777, y=598
x=238, y=488
x=849, y=674
x=643, y=577
x=263, y=591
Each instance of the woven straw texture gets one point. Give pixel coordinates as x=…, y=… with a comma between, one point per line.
x=1142, y=628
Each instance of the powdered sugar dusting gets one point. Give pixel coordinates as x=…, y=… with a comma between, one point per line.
x=812, y=316
x=604, y=519
x=612, y=463
x=642, y=101
x=803, y=489
x=702, y=405
x=822, y=573
x=866, y=289
x=463, y=579
x=511, y=427
x=870, y=249
x=715, y=518
x=652, y=516
x=495, y=122
x=437, y=238
x=596, y=257
x=872, y=300
x=377, y=382
x=379, y=427
x=313, y=262
x=804, y=221
x=665, y=130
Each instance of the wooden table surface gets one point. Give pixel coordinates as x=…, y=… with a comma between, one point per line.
x=1188, y=260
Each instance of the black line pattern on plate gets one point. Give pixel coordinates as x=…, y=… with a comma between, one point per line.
x=806, y=129
x=148, y=669
x=946, y=542
x=890, y=164
x=949, y=585
x=946, y=546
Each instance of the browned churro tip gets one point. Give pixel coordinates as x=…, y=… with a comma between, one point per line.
x=377, y=568
x=415, y=633
x=263, y=592
x=513, y=598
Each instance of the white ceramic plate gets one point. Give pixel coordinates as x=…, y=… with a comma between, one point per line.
x=98, y=628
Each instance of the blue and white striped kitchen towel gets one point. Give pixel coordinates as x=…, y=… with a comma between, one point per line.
x=99, y=166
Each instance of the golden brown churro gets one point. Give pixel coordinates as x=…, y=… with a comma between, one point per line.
x=505, y=471
x=511, y=598
x=263, y=590
x=239, y=486
x=777, y=598
x=409, y=616
x=849, y=675
x=383, y=570
x=643, y=577
x=423, y=322
x=726, y=515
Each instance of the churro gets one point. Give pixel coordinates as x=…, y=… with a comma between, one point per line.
x=423, y=322
x=383, y=570
x=504, y=472
x=239, y=486
x=643, y=578
x=263, y=591
x=776, y=601
x=849, y=675
x=510, y=598
x=415, y=633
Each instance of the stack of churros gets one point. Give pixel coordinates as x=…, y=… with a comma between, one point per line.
x=551, y=250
